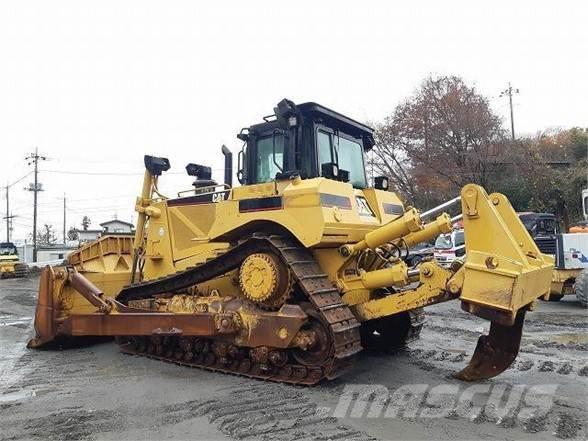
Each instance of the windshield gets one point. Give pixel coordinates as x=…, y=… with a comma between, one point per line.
x=444, y=242
x=265, y=166
x=528, y=221
x=546, y=226
x=537, y=225
x=7, y=250
x=348, y=155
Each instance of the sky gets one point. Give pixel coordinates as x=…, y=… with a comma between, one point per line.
x=96, y=85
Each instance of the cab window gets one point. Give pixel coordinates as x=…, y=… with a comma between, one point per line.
x=346, y=152
x=265, y=166
x=324, y=148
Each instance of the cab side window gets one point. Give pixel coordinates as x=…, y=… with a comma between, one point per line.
x=265, y=166
x=324, y=148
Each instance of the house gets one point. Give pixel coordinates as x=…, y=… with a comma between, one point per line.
x=53, y=253
x=88, y=235
x=116, y=226
x=45, y=253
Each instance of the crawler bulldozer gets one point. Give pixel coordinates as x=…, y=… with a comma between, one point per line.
x=289, y=275
x=10, y=264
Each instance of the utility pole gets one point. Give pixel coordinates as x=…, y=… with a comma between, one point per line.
x=34, y=158
x=64, y=208
x=8, y=216
x=510, y=91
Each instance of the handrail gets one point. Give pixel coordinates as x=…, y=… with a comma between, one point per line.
x=202, y=190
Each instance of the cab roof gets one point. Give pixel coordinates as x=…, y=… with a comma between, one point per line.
x=328, y=117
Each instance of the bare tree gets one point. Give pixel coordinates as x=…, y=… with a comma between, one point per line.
x=46, y=236
x=439, y=139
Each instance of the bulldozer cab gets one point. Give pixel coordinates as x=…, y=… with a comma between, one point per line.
x=8, y=249
x=306, y=140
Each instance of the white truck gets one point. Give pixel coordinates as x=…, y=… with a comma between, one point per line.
x=570, y=274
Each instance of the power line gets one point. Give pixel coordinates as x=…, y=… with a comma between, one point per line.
x=71, y=172
x=19, y=179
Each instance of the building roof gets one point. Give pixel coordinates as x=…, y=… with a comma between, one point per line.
x=57, y=247
x=78, y=230
x=116, y=221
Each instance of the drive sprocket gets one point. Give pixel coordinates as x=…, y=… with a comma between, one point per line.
x=265, y=280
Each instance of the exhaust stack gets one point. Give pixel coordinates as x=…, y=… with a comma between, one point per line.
x=228, y=165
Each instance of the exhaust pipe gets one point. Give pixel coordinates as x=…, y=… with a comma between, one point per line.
x=228, y=165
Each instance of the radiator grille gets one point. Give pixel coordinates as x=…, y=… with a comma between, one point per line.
x=547, y=245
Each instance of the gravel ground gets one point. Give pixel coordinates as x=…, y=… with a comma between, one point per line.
x=98, y=393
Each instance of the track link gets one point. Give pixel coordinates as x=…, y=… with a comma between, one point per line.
x=343, y=328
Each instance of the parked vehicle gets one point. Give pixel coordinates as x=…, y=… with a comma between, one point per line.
x=419, y=253
x=570, y=251
x=10, y=265
x=449, y=247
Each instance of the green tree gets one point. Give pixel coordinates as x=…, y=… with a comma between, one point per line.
x=547, y=173
x=72, y=233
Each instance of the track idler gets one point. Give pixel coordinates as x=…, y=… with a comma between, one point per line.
x=494, y=352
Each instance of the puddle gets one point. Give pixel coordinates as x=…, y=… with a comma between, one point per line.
x=17, y=321
x=570, y=338
x=20, y=395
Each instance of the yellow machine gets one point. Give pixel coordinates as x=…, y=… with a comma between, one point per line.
x=10, y=265
x=288, y=276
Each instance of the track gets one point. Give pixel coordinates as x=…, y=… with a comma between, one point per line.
x=324, y=305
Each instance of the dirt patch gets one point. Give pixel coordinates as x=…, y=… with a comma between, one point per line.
x=568, y=426
x=273, y=411
x=547, y=366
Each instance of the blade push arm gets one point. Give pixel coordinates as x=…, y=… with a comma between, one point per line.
x=504, y=273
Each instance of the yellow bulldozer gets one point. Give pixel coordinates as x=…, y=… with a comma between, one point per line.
x=10, y=264
x=288, y=276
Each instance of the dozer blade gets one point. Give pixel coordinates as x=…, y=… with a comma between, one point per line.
x=44, y=313
x=494, y=352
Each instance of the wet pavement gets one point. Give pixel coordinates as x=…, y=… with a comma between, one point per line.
x=95, y=392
